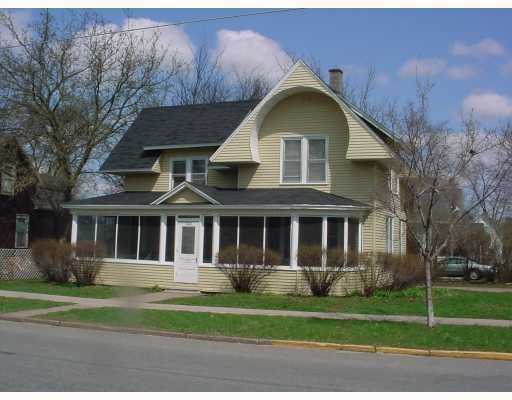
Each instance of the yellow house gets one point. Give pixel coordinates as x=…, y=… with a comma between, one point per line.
x=300, y=166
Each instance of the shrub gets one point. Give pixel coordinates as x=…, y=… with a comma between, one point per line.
x=370, y=269
x=246, y=266
x=87, y=263
x=320, y=279
x=405, y=271
x=54, y=259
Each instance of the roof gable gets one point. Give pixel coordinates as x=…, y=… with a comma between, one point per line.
x=242, y=145
x=185, y=193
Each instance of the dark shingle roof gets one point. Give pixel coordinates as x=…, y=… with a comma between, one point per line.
x=278, y=196
x=175, y=126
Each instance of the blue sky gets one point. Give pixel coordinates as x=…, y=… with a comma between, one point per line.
x=467, y=53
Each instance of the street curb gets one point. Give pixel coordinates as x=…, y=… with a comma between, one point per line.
x=485, y=355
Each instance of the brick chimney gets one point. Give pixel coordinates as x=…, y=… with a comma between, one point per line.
x=336, y=80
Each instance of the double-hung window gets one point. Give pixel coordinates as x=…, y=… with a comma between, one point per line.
x=304, y=160
x=21, y=234
x=191, y=170
x=7, y=181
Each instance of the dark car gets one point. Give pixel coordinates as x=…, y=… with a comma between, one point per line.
x=465, y=268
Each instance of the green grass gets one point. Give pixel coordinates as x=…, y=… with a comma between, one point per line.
x=67, y=289
x=8, y=304
x=448, y=303
x=312, y=329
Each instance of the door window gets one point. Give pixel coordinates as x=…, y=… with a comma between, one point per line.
x=188, y=234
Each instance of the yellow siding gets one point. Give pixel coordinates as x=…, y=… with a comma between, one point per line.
x=160, y=182
x=186, y=196
x=363, y=144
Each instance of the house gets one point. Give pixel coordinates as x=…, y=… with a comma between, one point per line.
x=27, y=200
x=300, y=166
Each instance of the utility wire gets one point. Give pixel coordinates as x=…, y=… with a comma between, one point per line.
x=192, y=21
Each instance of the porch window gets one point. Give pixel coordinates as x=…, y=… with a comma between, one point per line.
x=85, y=232
x=304, y=160
x=353, y=235
x=251, y=231
x=169, y=240
x=191, y=170
x=149, y=238
x=127, y=236
x=310, y=233
x=336, y=234
x=228, y=232
x=106, y=235
x=21, y=234
x=277, y=231
x=207, y=239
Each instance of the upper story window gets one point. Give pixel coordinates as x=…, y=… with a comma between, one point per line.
x=188, y=169
x=7, y=182
x=394, y=182
x=304, y=160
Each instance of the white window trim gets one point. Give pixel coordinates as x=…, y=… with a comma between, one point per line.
x=394, y=182
x=188, y=168
x=304, y=153
x=26, y=217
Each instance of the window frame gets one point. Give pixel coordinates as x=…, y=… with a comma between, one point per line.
x=26, y=217
x=188, y=169
x=390, y=225
x=10, y=176
x=304, y=159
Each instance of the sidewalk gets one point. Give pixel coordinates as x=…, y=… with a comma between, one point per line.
x=143, y=302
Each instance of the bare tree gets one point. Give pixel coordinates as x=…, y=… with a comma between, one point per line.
x=433, y=162
x=70, y=88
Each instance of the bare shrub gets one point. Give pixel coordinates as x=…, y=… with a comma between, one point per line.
x=87, y=263
x=54, y=259
x=321, y=279
x=405, y=271
x=370, y=271
x=246, y=266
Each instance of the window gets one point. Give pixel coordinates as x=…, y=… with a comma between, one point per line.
x=190, y=170
x=394, y=182
x=106, y=235
x=21, y=234
x=278, y=237
x=7, y=182
x=310, y=234
x=127, y=236
x=228, y=232
x=353, y=235
x=188, y=237
x=389, y=235
x=292, y=161
x=207, y=239
x=169, y=240
x=304, y=160
x=336, y=234
x=85, y=231
x=251, y=231
x=149, y=238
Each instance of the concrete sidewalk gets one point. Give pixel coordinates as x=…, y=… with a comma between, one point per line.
x=143, y=302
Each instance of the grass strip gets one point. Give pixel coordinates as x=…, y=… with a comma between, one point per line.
x=9, y=304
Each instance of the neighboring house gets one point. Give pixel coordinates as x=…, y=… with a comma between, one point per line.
x=26, y=209
x=300, y=166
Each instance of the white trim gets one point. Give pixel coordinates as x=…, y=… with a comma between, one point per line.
x=127, y=170
x=180, y=146
x=324, y=241
x=200, y=240
x=345, y=235
x=294, y=240
x=304, y=158
x=360, y=232
x=163, y=238
x=179, y=188
x=188, y=168
x=74, y=228
x=138, y=237
x=215, y=237
x=117, y=232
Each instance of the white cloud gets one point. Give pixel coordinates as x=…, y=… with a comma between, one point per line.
x=488, y=105
x=248, y=52
x=382, y=78
x=422, y=67
x=462, y=72
x=486, y=47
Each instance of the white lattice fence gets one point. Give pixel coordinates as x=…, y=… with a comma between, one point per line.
x=17, y=264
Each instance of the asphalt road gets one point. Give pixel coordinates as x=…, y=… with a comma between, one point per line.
x=44, y=358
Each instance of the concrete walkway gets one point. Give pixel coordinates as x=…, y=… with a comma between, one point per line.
x=142, y=302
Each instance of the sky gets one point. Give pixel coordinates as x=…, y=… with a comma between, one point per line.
x=466, y=53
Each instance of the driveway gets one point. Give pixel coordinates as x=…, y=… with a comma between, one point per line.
x=46, y=358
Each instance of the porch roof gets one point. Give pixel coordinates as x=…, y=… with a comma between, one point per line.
x=229, y=197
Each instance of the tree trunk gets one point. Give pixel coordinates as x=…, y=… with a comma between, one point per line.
x=428, y=293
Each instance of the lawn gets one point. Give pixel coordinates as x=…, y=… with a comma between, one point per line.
x=67, y=289
x=448, y=303
x=312, y=329
x=8, y=304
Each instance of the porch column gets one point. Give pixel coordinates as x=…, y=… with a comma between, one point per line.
x=215, y=244
x=294, y=242
x=345, y=235
x=73, y=229
x=324, y=241
x=360, y=227
x=163, y=237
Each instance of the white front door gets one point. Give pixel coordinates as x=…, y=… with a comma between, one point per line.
x=187, y=250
